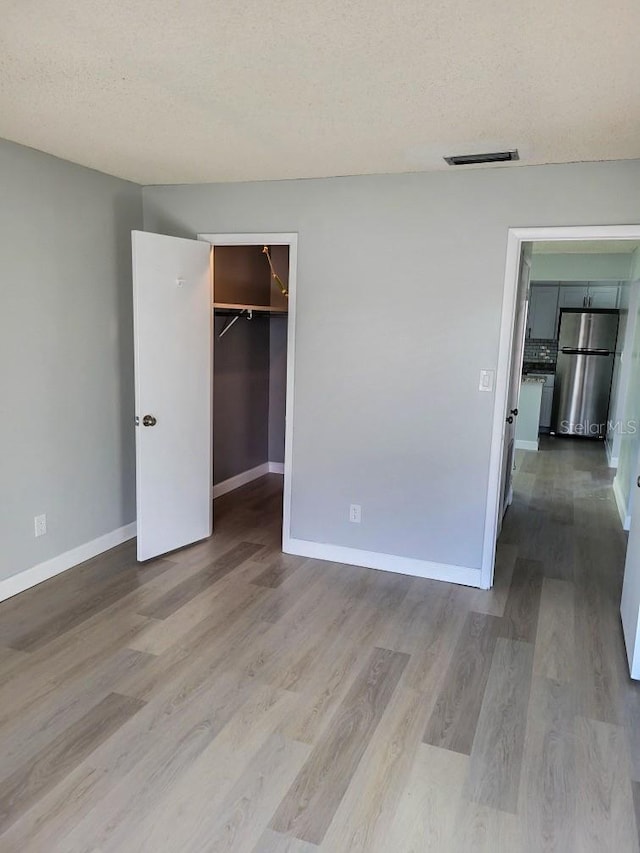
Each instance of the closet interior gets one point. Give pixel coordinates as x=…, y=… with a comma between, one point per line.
x=250, y=297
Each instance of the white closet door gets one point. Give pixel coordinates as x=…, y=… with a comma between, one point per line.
x=173, y=389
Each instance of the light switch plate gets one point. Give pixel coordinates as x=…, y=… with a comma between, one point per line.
x=486, y=380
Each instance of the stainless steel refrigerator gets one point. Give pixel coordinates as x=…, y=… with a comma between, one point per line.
x=586, y=350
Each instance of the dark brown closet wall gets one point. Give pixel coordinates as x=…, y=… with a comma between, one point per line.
x=240, y=397
x=242, y=275
x=250, y=362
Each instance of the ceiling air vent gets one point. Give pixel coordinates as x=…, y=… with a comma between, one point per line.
x=474, y=159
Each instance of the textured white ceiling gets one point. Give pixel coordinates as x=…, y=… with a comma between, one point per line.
x=169, y=91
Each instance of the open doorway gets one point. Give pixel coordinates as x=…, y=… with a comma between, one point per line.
x=249, y=364
x=252, y=364
x=570, y=425
x=250, y=298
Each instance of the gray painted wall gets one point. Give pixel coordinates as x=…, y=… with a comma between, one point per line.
x=400, y=283
x=277, y=387
x=66, y=355
x=240, y=397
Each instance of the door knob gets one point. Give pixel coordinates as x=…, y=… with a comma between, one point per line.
x=509, y=419
x=514, y=412
x=149, y=420
x=639, y=482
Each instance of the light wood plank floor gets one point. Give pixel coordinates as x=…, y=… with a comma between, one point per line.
x=229, y=697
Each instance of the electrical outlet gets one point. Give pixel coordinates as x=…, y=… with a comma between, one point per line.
x=355, y=513
x=40, y=524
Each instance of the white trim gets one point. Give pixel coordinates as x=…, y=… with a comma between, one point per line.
x=384, y=562
x=521, y=444
x=515, y=238
x=621, y=503
x=245, y=477
x=612, y=461
x=56, y=565
x=240, y=479
x=279, y=239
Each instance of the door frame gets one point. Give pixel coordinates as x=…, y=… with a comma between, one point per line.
x=282, y=239
x=515, y=238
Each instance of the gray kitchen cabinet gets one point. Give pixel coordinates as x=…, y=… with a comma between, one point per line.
x=546, y=405
x=603, y=295
x=588, y=294
x=573, y=295
x=547, y=299
x=543, y=311
x=546, y=402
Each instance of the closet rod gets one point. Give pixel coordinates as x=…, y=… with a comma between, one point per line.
x=235, y=319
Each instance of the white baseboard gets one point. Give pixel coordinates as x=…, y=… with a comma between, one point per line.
x=521, y=444
x=384, y=562
x=240, y=480
x=56, y=565
x=621, y=503
x=246, y=477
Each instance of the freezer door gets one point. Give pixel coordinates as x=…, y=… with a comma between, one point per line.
x=588, y=330
x=581, y=395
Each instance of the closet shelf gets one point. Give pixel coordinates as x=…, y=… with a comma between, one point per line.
x=233, y=306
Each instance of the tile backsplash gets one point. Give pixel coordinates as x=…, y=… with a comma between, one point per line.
x=541, y=351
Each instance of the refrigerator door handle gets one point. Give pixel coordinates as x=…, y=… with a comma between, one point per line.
x=573, y=351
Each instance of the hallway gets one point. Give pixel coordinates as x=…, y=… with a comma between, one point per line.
x=570, y=560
